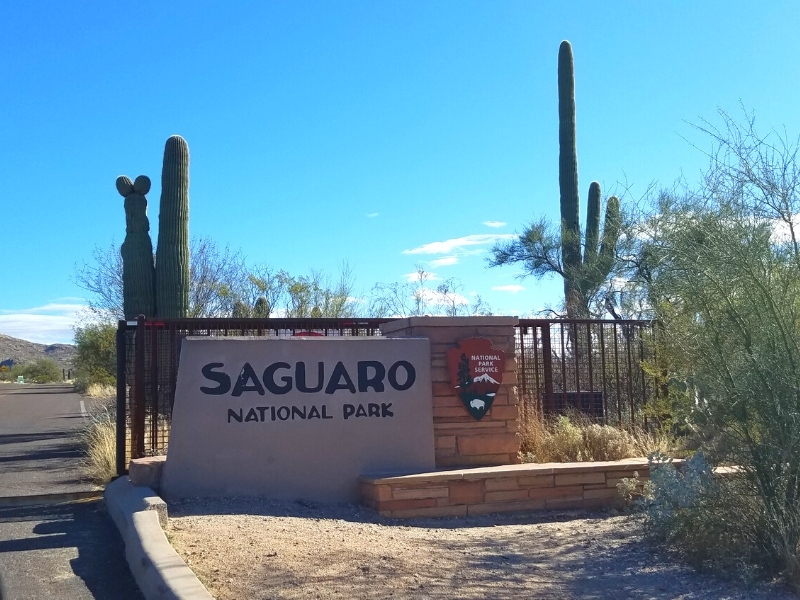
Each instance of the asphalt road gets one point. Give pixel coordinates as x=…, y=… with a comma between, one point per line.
x=64, y=548
x=39, y=450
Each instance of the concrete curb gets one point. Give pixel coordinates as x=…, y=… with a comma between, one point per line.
x=158, y=570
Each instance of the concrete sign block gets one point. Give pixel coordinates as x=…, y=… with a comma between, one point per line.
x=297, y=418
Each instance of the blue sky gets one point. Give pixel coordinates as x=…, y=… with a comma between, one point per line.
x=384, y=134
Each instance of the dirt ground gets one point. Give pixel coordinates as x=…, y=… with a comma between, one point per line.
x=250, y=549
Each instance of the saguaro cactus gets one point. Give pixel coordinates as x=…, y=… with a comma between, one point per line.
x=261, y=308
x=138, y=275
x=582, y=274
x=172, y=252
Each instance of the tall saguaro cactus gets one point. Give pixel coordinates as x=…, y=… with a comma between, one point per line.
x=138, y=276
x=172, y=252
x=584, y=272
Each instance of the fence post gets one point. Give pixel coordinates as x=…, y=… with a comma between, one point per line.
x=137, y=429
x=547, y=364
x=522, y=379
x=122, y=414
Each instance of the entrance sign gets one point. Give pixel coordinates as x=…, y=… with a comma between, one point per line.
x=476, y=372
x=297, y=418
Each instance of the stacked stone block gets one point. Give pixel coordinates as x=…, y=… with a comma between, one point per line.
x=478, y=491
x=460, y=440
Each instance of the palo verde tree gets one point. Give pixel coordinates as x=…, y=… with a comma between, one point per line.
x=723, y=270
x=420, y=295
x=584, y=265
x=96, y=357
x=216, y=280
x=222, y=284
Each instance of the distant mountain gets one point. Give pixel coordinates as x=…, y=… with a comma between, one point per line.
x=15, y=351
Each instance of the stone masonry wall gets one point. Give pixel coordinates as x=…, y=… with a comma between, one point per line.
x=460, y=440
x=521, y=487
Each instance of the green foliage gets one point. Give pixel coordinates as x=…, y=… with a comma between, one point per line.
x=316, y=295
x=216, y=278
x=96, y=357
x=44, y=370
x=671, y=406
x=723, y=278
x=261, y=308
x=172, y=277
x=715, y=522
x=541, y=250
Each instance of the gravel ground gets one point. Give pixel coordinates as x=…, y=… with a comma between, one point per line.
x=244, y=548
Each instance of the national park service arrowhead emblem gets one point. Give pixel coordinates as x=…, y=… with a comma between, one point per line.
x=476, y=372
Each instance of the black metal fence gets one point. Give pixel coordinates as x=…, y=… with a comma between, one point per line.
x=592, y=366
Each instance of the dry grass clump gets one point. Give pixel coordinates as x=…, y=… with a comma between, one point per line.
x=100, y=390
x=94, y=389
x=574, y=437
x=99, y=440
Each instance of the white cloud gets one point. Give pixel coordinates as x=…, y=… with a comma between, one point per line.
x=52, y=323
x=458, y=244
x=444, y=262
x=495, y=223
x=372, y=215
x=513, y=288
x=781, y=232
x=413, y=277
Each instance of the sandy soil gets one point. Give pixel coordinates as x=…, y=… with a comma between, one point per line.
x=246, y=549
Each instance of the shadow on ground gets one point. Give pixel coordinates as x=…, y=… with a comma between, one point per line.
x=31, y=537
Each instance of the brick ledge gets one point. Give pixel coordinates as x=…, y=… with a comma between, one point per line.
x=507, y=488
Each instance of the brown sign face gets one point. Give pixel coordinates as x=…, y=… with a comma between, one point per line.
x=476, y=372
x=298, y=418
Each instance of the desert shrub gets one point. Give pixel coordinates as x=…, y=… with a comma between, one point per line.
x=44, y=370
x=603, y=442
x=98, y=440
x=96, y=357
x=100, y=390
x=715, y=522
x=574, y=437
x=12, y=372
x=565, y=441
x=722, y=273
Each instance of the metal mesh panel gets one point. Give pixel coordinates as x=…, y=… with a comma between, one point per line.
x=591, y=366
x=149, y=352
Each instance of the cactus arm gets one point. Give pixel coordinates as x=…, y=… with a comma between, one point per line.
x=124, y=185
x=611, y=229
x=592, y=224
